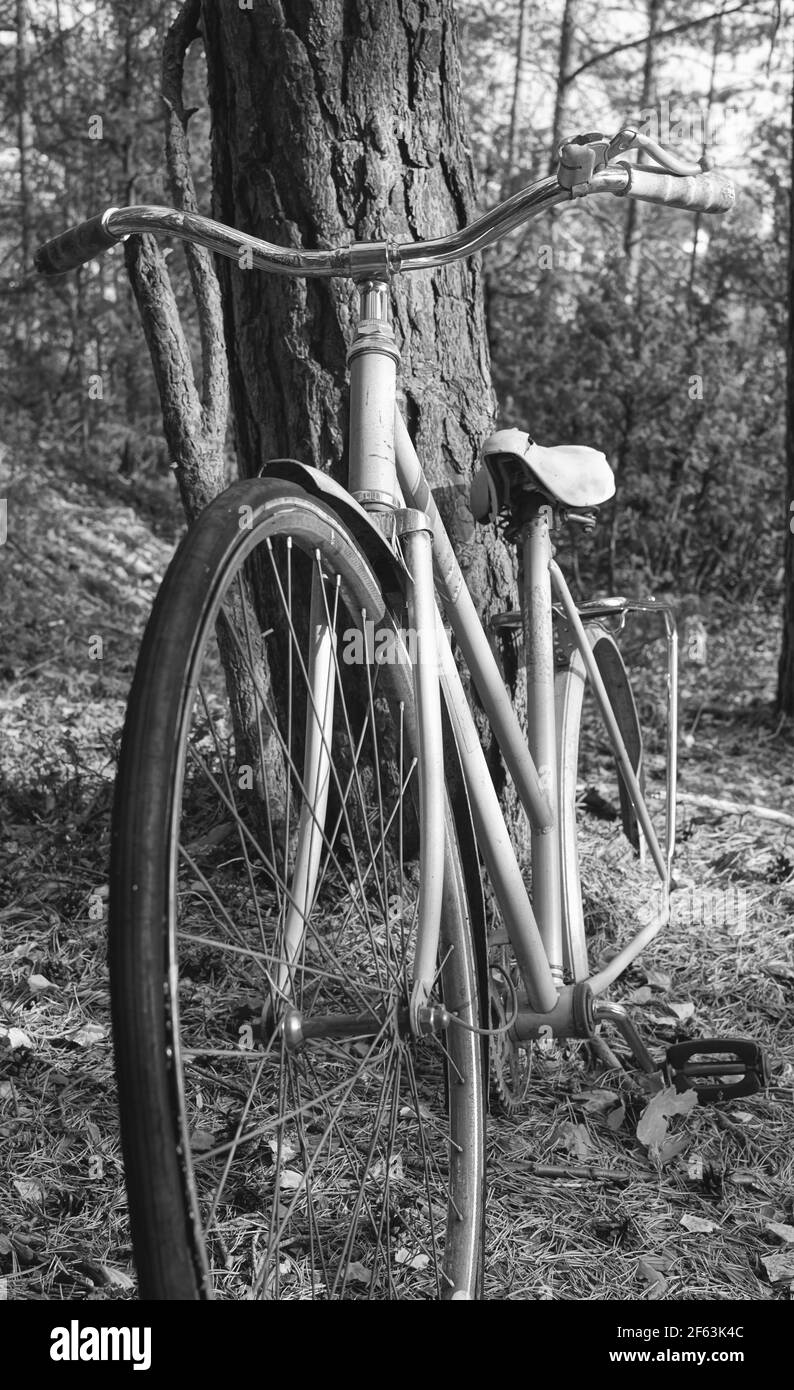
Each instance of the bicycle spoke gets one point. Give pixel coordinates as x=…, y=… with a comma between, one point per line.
x=311, y=1141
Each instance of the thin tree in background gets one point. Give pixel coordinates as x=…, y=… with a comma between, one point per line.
x=517, y=105
x=632, y=239
x=785, y=683
x=564, y=61
x=23, y=131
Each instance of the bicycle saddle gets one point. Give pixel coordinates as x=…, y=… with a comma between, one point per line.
x=567, y=473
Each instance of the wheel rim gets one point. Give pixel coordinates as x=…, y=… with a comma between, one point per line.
x=313, y=1166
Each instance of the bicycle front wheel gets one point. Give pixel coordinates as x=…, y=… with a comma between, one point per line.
x=284, y=1133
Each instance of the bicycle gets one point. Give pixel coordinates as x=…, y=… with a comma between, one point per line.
x=306, y=998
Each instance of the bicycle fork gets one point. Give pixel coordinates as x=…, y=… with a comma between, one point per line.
x=373, y=371
x=316, y=781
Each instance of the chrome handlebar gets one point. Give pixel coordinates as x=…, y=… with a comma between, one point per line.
x=584, y=169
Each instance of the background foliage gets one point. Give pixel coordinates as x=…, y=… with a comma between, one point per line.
x=657, y=338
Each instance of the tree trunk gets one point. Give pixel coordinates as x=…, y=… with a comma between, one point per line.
x=785, y=679
x=334, y=122
x=23, y=129
x=194, y=418
x=704, y=151
x=564, y=61
x=632, y=240
x=516, y=105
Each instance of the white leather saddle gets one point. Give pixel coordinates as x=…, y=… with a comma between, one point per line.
x=568, y=473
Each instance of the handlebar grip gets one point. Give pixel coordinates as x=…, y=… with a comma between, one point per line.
x=75, y=246
x=711, y=191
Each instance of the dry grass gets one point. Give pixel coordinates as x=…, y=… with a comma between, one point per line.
x=77, y=567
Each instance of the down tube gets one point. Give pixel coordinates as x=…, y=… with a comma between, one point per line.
x=491, y=832
x=493, y=840
x=472, y=640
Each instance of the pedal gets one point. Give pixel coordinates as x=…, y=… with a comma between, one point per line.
x=709, y=1066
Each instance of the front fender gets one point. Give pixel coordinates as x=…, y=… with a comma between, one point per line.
x=387, y=563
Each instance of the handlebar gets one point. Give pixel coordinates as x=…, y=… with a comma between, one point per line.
x=76, y=246
x=708, y=191
x=585, y=168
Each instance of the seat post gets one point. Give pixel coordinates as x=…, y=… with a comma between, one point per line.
x=373, y=360
x=536, y=551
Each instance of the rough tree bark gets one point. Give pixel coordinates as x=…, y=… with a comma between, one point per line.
x=335, y=121
x=194, y=419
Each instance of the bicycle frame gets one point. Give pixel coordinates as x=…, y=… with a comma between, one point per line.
x=386, y=478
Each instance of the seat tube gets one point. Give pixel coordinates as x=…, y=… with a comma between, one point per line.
x=373, y=360
x=539, y=656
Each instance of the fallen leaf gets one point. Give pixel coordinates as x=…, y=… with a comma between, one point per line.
x=104, y=1276
x=640, y=996
x=25, y=948
x=575, y=1139
x=682, y=1011
x=657, y=979
x=287, y=1151
x=408, y=1112
x=779, y=1229
x=37, y=984
x=743, y=1177
x=653, y=1122
x=291, y=1180
x=26, y=1254
x=662, y=1263
x=358, y=1273
x=597, y=1102
x=396, y=1170
x=657, y=1284
x=213, y=837
x=780, y=1266
x=616, y=1117
x=671, y=1148
x=780, y=968
x=201, y=1141
x=14, y=1037
x=5, y=1245
x=29, y=1190
x=699, y=1225
x=89, y=1034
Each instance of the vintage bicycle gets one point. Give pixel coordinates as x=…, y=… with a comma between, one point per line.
x=307, y=995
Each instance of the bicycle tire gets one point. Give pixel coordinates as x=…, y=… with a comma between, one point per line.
x=348, y=1167
x=569, y=690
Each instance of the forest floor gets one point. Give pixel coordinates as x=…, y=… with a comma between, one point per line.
x=698, y=1205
